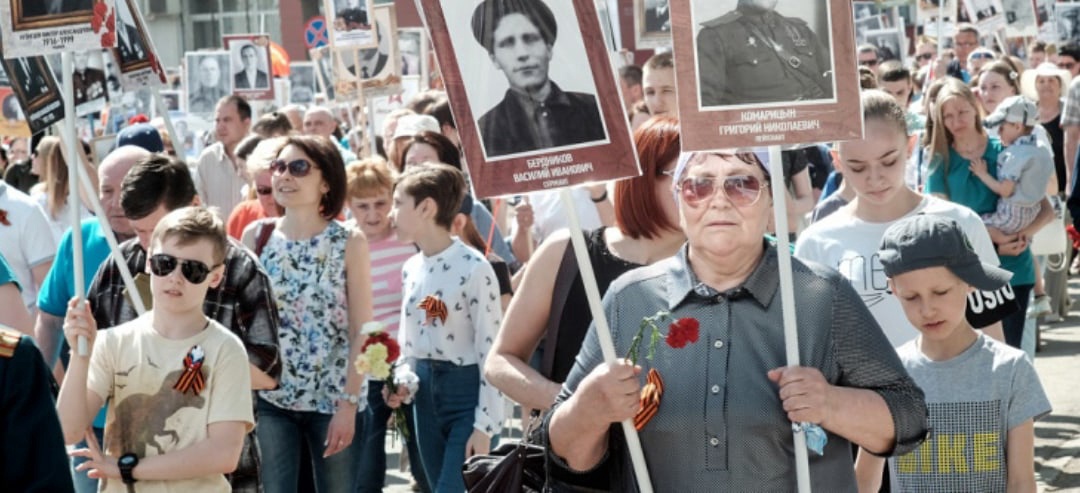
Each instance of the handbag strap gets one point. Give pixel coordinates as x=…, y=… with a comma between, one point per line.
x=568, y=270
x=265, y=230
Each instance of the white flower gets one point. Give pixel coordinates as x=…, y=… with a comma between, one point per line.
x=372, y=327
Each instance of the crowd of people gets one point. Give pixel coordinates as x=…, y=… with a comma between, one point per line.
x=284, y=241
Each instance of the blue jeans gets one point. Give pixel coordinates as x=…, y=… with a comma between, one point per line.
x=372, y=466
x=445, y=409
x=83, y=483
x=280, y=433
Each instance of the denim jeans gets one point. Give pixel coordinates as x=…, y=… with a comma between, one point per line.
x=83, y=483
x=372, y=466
x=445, y=409
x=280, y=433
x=1013, y=325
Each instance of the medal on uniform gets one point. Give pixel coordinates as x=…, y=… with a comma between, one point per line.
x=794, y=61
x=751, y=41
x=192, y=377
x=795, y=36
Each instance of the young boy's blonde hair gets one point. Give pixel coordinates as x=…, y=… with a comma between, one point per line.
x=191, y=224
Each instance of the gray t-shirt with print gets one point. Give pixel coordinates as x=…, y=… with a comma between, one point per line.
x=974, y=400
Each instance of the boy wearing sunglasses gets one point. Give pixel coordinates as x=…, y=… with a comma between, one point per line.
x=178, y=381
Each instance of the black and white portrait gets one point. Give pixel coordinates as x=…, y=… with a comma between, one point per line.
x=11, y=110
x=41, y=8
x=352, y=22
x=657, y=16
x=862, y=26
x=30, y=77
x=888, y=42
x=302, y=85
x=981, y=10
x=324, y=64
x=250, y=66
x=370, y=63
x=526, y=74
x=88, y=81
x=130, y=37
x=410, y=47
x=1020, y=18
x=171, y=99
x=206, y=80
x=1068, y=21
x=753, y=52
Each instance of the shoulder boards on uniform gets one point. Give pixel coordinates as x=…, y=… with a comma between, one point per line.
x=727, y=18
x=9, y=340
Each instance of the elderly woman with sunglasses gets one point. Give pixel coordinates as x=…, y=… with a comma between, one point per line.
x=320, y=271
x=724, y=420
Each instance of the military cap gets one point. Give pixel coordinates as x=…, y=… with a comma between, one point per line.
x=487, y=15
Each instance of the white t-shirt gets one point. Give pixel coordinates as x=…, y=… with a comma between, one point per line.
x=138, y=369
x=850, y=245
x=550, y=215
x=26, y=241
x=62, y=221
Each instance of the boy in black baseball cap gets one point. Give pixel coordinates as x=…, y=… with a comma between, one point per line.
x=983, y=396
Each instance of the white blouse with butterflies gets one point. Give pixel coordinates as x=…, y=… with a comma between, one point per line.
x=451, y=312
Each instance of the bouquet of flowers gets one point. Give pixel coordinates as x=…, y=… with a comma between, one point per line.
x=378, y=359
x=681, y=332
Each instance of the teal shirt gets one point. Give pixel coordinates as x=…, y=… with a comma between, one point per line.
x=964, y=188
x=6, y=275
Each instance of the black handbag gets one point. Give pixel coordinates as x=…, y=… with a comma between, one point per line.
x=510, y=467
x=520, y=466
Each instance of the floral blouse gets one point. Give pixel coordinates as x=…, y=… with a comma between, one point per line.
x=308, y=278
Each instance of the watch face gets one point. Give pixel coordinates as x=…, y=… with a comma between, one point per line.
x=127, y=460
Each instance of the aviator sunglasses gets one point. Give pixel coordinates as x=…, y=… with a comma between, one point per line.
x=195, y=272
x=740, y=190
x=299, y=168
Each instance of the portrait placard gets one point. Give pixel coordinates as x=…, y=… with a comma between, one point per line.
x=134, y=51
x=747, y=79
x=206, y=80
x=36, y=90
x=302, y=82
x=1020, y=18
x=378, y=68
x=1068, y=21
x=352, y=23
x=88, y=81
x=932, y=9
x=323, y=59
x=987, y=15
x=12, y=119
x=45, y=27
x=412, y=46
x=889, y=43
x=539, y=120
x=652, y=23
x=249, y=66
x=862, y=26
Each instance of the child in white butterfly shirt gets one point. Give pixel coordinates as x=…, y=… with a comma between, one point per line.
x=450, y=315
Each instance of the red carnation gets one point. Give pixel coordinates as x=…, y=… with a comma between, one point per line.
x=100, y=9
x=393, y=350
x=96, y=22
x=108, y=40
x=682, y=332
x=110, y=22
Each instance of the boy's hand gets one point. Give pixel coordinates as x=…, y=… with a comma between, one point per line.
x=978, y=166
x=339, y=434
x=79, y=322
x=479, y=444
x=394, y=401
x=97, y=466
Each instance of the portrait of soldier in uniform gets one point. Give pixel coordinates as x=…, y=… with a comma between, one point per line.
x=38, y=8
x=250, y=75
x=129, y=40
x=753, y=54
x=88, y=82
x=205, y=82
x=29, y=77
x=658, y=17
x=535, y=113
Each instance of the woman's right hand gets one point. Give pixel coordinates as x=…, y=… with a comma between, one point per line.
x=79, y=322
x=610, y=393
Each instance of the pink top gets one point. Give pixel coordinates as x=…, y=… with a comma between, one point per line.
x=387, y=258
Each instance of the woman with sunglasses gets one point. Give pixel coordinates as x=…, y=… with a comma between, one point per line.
x=958, y=139
x=320, y=271
x=848, y=239
x=646, y=231
x=724, y=417
x=260, y=202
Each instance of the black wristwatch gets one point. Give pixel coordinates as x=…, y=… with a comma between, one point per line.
x=127, y=464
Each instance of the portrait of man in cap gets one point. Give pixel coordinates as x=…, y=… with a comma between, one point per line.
x=535, y=113
x=753, y=54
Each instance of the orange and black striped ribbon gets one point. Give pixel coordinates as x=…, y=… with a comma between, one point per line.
x=192, y=378
x=435, y=309
x=650, y=399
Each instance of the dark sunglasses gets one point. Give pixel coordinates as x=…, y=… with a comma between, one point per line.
x=981, y=55
x=741, y=190
x=264, y=190
x=195, y=272
x=1066, y=65
x=924, y=56
x=298, y=168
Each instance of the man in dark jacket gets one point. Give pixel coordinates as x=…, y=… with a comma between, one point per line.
x=535, y=113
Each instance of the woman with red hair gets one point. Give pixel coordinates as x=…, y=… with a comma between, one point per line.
x=646, y=231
